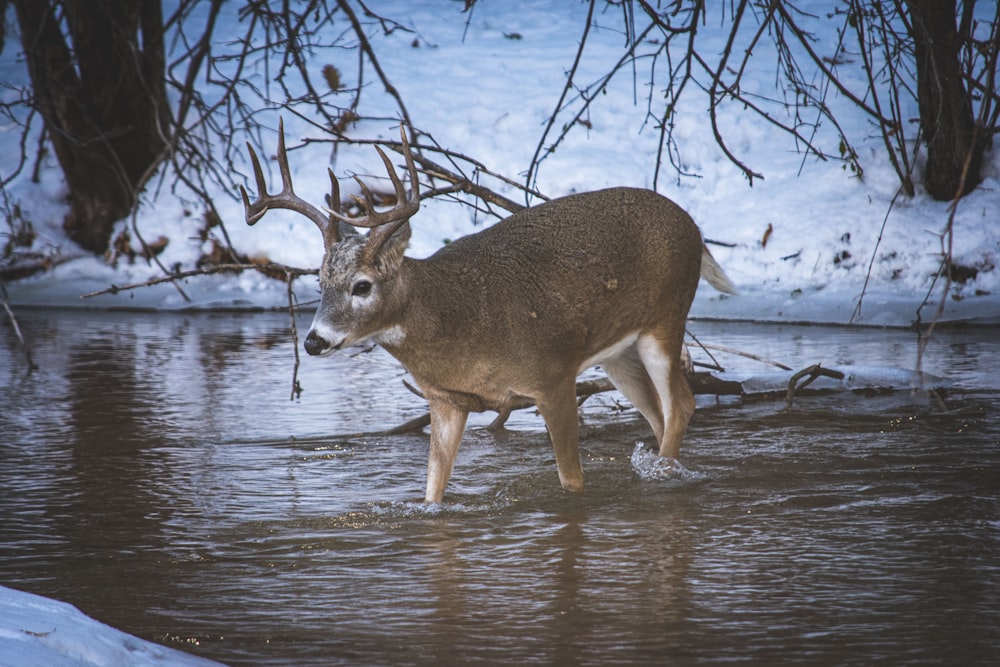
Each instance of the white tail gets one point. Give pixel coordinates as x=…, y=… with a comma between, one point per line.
x=517, y=310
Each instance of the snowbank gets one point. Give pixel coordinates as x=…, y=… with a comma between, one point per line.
x=38, y=632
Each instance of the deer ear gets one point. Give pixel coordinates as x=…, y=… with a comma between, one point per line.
x=386, y=249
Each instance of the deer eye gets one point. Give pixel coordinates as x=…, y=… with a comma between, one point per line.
x=361, y=288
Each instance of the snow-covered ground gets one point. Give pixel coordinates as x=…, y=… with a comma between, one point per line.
x=486, y=90
x=482, y=92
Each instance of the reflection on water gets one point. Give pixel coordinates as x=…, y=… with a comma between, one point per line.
x=154, y=473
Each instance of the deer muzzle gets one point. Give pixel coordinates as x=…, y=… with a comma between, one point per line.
x=316, y=345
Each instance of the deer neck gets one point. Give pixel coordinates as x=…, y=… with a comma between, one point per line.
x=430, y=310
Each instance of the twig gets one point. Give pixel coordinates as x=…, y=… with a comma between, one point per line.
x=412, y=426
x=865, y=44
x=17, y=329
x=373, y=59
x=714, y=97
x=296, y=387
x=463, y=183
x=947, y=241
x=588, y=97
x=717, y=366
x=413, y=390
x=270, y=267
x=748, y=355
x=803, y=36
x=583, y=390
x=528, y=180
x=871, y=262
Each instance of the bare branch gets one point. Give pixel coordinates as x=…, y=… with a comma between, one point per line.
x=373, y=59
x=269, y=268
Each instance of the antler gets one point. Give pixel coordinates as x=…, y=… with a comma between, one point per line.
x=287, y=199
x=385, y=223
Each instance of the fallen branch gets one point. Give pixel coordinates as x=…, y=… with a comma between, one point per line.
x=812, y=372
x=412, y=426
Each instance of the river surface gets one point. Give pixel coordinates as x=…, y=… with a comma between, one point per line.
x=155, y=473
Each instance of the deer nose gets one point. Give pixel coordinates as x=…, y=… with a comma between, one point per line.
x=315, y=344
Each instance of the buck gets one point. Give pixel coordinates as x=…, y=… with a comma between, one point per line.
x=517, y=310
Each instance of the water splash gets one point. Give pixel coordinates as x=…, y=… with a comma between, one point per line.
x=453, y=505
x=650, y=465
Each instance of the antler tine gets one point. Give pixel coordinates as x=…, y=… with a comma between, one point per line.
x=334, y=202
x=286, y=197
x=368, y=200
x=254, y=212
x=405, y=206
x=410, y=167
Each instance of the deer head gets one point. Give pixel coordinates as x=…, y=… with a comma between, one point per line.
x=359, y=276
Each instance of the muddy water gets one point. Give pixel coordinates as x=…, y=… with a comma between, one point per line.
x=154, y=473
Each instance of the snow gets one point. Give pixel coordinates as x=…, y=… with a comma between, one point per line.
x=484, y=94
x=39, y=632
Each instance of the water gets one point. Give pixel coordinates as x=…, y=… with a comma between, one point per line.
x=154, y=473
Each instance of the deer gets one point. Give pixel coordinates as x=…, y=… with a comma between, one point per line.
x=515, y=311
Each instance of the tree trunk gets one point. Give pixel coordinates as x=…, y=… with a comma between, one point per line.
x=954, y=148
x=103, y=97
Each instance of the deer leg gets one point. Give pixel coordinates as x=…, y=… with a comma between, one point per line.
x=662, y=360
x=628, y=374
x=559, y=410
x=447, y=425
